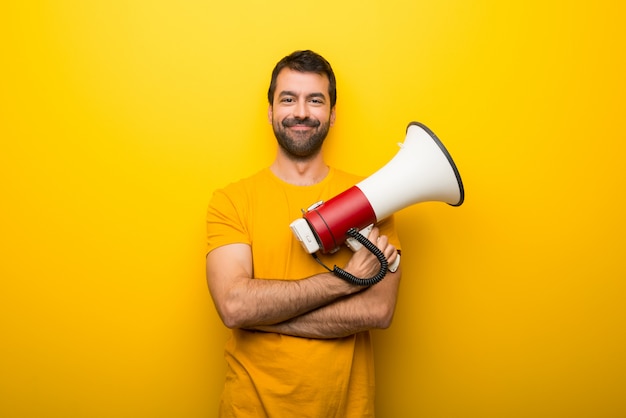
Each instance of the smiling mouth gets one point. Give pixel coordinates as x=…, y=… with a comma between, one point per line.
x=300, y=123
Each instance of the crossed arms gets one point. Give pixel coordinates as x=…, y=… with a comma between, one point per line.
x=320, y=306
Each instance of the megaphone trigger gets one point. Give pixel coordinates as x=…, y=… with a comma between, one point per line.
x=394, y=266
x=355, y=245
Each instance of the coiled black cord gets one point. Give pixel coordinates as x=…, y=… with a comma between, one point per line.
x=342, y=274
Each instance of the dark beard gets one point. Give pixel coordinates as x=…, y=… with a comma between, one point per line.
x=301, y=146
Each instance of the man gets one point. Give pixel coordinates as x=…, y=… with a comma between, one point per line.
x=300, y=344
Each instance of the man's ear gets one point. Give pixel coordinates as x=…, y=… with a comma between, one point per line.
x=332, y=116
x=270, y=113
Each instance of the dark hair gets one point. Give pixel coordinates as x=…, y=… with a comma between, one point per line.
x=305, y=62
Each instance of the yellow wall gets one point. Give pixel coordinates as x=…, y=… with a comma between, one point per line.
x=118, y=119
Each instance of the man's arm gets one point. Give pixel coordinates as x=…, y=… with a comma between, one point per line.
x=244, y=302
x=372, y=308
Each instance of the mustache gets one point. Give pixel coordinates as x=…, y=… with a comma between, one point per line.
x=289, y=122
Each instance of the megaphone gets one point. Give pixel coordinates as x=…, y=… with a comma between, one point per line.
x=421, y=171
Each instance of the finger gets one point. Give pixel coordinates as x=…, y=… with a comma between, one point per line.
x=391, y=253
x=374, y=234
x=382, y=242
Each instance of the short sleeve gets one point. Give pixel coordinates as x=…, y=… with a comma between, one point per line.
x=224, y=220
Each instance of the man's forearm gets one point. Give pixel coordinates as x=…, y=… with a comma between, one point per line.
x=326, y=322
x=261, y=302
x=370, y=309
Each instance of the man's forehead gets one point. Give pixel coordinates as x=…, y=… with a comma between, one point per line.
x=301, y=82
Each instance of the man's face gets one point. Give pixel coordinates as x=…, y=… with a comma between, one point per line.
x=301, y=114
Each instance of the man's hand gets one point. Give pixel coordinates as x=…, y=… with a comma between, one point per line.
x=364, y=264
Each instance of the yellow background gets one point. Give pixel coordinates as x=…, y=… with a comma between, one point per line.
x=119, y=118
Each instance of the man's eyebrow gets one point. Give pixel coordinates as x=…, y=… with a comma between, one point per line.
x=286, y=93
x=292, y=93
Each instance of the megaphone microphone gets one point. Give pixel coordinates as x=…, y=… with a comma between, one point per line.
x=421, y=171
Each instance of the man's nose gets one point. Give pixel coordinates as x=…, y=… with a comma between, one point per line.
x=301, y=110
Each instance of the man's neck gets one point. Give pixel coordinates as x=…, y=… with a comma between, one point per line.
x=300, y=173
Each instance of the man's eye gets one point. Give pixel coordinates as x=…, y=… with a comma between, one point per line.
x=287, y=100
x=317, y=101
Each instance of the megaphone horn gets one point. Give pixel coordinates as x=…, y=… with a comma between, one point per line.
x=421, y=171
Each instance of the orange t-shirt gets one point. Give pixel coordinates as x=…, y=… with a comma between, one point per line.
x=277, y=375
